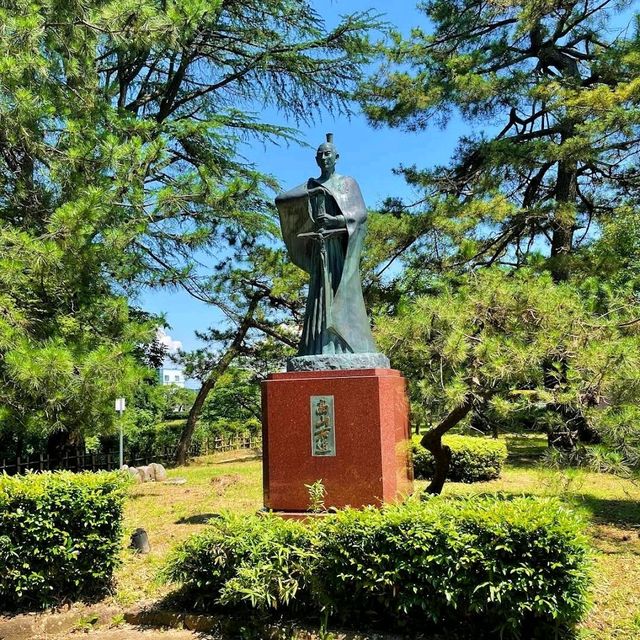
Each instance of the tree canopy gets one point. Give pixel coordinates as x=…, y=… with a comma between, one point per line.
x=551, y=89
x=121, y=125
x=542, y=192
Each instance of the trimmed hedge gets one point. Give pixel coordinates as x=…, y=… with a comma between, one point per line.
x=60, y=536
x=473, y=459
x=483, y=564
x=259, y=560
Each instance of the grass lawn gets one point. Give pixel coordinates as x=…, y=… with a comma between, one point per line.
x=170, y=513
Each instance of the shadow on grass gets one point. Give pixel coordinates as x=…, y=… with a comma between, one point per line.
x=524, y=462
x=199, y=518
x=610, y=511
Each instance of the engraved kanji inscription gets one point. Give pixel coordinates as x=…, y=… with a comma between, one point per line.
x=323, y=437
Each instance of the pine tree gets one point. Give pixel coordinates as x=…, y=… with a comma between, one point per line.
x=551, y=88
x=545, y=179
x=121, y=125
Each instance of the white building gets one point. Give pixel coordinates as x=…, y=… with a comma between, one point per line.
x=171, y=376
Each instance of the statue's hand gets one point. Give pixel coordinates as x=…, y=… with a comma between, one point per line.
x=331, y=222
x=322, y=221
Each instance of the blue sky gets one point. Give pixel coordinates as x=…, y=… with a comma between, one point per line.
x=367, y=154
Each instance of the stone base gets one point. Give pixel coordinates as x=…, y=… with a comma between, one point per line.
x=368, y=460
x=338, y=361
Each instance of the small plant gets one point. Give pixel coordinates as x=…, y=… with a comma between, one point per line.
x=117, y=620
x=87, y=623
x=317, y=493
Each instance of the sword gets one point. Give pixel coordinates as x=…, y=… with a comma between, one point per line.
x=321, y=236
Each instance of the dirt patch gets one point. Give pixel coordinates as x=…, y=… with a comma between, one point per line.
x=610, y=539
x=221, y=483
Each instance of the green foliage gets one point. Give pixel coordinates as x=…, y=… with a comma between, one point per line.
x=473, y=459
x=504, y=565
x=259, y=561
x=235, y=398
x=491, y=564
x=543, y=178
x=550, y=90
x=164, y=435
x=121, y=125
x=153, y=438
x=60, y=536
x=317, y=494
x=486, y=339
x=177, y=401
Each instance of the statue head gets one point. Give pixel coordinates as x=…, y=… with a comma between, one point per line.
x=327, y=156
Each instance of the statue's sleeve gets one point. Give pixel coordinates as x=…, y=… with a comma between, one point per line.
x=294, y=209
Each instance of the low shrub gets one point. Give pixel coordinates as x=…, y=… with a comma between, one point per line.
x=60, y=536
x=164, y=436
x=473, y=459
x=260, y=560
x=490, y=564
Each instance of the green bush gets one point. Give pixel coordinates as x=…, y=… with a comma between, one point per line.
x=260, y=560
x=473, y=459
x=490, y=564
x=59, y=536
x=158, y=437
x=483, y=563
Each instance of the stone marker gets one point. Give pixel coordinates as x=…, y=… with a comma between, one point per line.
x=140, y=541
x=133, y=472
x=145, y=473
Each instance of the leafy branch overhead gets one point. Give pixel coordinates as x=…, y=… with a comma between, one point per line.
x=551, y=90
x=122, y=131
x=260, y=295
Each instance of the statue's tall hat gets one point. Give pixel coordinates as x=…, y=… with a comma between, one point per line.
x=328, y=144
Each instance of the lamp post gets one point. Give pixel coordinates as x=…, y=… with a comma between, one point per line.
x=120, y=407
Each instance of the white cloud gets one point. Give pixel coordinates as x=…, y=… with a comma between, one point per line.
x=171, y=344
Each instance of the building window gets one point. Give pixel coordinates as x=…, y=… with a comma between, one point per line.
x=166, y=378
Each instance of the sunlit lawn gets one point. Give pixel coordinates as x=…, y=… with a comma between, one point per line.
x=170, y=513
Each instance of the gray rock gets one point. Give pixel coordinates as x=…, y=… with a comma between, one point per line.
x=332, y=362
x=134, y=473
x=145, y=474
x=158, y=471
x=140, y=541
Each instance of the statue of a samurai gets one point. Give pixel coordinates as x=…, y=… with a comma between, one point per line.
x=323, y=224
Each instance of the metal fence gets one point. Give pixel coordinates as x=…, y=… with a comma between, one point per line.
x=86, y=461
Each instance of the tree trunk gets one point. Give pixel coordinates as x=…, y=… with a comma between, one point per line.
x=566, y=195
x=432, y=441
x=187, y=433
x=210, y=381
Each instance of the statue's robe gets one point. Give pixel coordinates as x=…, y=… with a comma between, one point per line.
x=335, y=317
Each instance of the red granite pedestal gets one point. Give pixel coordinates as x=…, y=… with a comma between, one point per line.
x=370, y=462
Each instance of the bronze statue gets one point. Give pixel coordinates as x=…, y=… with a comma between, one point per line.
x=323, y=224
